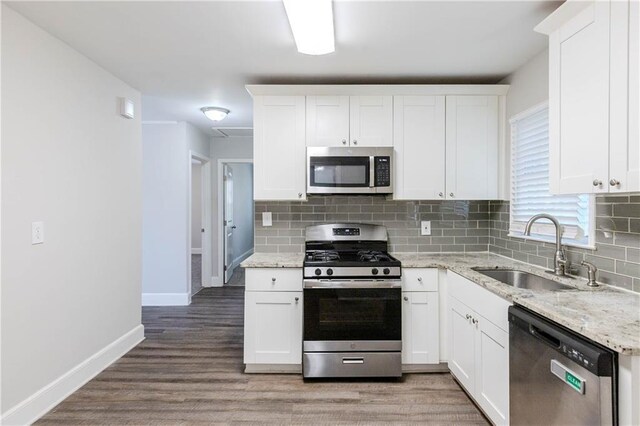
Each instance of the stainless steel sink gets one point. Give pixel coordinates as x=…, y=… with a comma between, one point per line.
x=520, y=279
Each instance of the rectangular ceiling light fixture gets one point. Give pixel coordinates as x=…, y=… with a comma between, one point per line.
x=311, y=22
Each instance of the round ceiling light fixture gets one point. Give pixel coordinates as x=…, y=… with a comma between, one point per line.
x=215, y=113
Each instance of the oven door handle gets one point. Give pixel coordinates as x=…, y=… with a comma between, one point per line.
x=372, y=171
x=332, y=284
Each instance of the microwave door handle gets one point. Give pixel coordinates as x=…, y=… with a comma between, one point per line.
x=372, y=171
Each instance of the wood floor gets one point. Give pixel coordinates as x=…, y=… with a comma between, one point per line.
x=189, y=370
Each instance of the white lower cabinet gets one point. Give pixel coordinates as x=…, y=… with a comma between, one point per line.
x=420, y=317
x=273, y=318
x=478, y=348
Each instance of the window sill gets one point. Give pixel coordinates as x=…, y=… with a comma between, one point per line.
x=552, y=240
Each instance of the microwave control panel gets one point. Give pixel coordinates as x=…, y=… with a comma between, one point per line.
x=382, y=171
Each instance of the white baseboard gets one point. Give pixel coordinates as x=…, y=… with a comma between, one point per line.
x=196, y=251
x=242, y=257
x=165, y=299
x=41, y=402
x=216, y=282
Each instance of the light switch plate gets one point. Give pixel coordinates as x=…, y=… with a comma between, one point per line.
x=425, y=227
x=266, y=219
x=37, y=232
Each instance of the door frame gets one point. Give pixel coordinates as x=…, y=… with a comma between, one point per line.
x=220, y=224
x=205, y=189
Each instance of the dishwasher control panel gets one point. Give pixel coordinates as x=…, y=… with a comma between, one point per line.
x=578, y=356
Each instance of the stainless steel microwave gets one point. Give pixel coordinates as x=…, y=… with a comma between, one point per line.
x=349, y=170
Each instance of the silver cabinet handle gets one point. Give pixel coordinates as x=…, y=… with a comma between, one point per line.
x=406, y=299
x=420, y=279
x=299, y=194
x=344, y=141
x=297, y=299
x=597, y=182
x=475, y=321
x=355, y=142
x=451, y=194
x=468, y=316
x=614, y=182
x=273, y=280
x=440, y=194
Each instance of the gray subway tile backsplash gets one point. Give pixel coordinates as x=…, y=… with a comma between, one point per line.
x=461, y=226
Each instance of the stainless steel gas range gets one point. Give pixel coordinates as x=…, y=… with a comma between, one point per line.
x=352, y=303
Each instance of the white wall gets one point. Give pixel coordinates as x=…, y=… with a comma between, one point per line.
x=69, y=160
x=165, y=168
x=196, y=206
x=242, y=210
x=529, y=87
x=224, y=148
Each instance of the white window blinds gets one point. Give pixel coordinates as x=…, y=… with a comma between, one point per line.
x=530, y=183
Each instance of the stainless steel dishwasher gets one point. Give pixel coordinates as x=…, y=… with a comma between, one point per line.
x=557, y=377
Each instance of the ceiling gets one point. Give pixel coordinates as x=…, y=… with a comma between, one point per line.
x=185, y=55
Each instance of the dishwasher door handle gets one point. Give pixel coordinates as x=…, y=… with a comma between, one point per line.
x=544, y=336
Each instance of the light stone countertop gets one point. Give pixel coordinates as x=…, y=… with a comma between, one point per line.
x=604, y=314
x=273, y=260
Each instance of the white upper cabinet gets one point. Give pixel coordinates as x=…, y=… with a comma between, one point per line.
x=418, y=141
x=593, y=90
x=472, y=141
x=371, y=120
x=349, y=120
x=327, y=120
x=279, y=148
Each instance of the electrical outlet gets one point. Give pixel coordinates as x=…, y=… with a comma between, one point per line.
x=425, y=227
x=37, y=233
x=266, y=219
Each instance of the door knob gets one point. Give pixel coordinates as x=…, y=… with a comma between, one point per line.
x=597, y=182
x=614, y=182
x=233, y=227
x=344, y=141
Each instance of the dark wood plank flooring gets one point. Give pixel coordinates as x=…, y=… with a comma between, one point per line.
x=189, y=370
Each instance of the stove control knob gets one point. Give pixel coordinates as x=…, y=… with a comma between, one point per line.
x=374, y=271
x=386, y=271
x=318, y=271
x=329, y=271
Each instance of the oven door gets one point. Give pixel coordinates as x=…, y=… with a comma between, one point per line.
x=352, y=316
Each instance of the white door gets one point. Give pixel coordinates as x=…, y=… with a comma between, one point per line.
x=419, y=141
x=279, y=148
x=229, y=224
x=472, y=147
x=420, y=328
x=579, y=103
x=492, y=374
x=462, y=358
x=624, y=160
x=273, y=327
x=327, y=120
x=371, y=120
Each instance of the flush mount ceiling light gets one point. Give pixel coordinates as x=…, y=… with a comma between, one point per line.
x=311, y=22
x=215, y=113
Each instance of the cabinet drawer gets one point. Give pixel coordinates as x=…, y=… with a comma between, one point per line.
x=492, y=307
x=273, y=279
x=420, y=279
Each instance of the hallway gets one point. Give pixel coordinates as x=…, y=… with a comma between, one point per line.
x=189, y=370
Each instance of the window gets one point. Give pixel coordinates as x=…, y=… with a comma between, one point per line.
x=530, y=185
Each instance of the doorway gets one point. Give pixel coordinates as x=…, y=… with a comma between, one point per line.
x=199, y=244
x=236, y=218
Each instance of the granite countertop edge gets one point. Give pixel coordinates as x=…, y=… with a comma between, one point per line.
x=583, y=310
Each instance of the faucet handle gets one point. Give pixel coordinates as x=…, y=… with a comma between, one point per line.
x=592, y=272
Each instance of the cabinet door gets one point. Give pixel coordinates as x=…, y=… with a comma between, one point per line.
x=462, y=357
x=420, y=328
x=624, y=159
x=579, y=102
x=327, y=120
x=492, y=370
x=279, y=148
x=419, y=144
x=371, y=120
x=472, y=147
x=273, y=327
